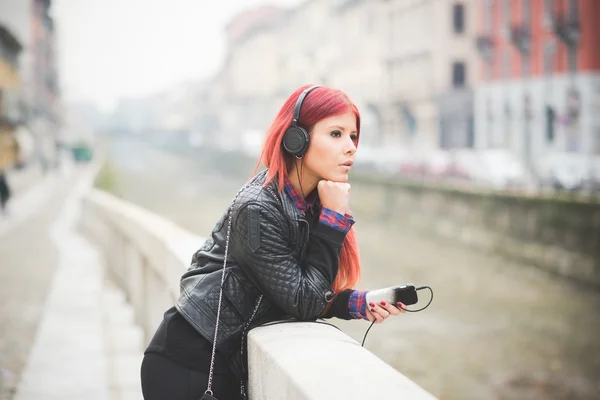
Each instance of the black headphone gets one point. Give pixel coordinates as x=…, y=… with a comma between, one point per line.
x=296, y=139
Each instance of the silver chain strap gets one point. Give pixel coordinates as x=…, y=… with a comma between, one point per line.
x=214, y=347
x=242, y=386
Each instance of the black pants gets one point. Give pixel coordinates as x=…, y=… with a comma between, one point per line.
x=163, y=379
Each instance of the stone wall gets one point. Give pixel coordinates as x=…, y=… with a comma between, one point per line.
x=557, y=233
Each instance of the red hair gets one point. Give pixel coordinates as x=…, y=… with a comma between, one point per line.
x=322, y=102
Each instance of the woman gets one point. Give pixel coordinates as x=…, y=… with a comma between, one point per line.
x=284, y=248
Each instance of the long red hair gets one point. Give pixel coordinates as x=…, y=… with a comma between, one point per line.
x=322, y=102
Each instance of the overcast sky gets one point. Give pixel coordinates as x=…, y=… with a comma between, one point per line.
x=114, y=48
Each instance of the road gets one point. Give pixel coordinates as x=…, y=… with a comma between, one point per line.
x=496, y=329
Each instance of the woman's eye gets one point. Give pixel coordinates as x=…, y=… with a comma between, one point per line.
x=336, y=133
x=354, y=138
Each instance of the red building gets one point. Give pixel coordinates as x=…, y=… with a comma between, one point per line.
x=538, y=86
x=520, y=30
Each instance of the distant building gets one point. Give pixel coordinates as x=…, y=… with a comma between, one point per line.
x=430, y=69
x=408, y=65
x=10, y=97
x=247, y=21
x=33, y=26
x=539, y=78
x=249, y=78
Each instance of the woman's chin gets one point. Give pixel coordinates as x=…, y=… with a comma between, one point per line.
x=341, y=178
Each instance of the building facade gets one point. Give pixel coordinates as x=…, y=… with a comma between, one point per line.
x=244, y=88
x=430, y=63
x=33, y=26
x=357, y=49
x=322, y=42
x=538, y=88
x=409, y=66
x=10, y=97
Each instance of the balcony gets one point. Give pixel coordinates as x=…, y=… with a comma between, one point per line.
x=520, y=36
x=485, y=46
x=568, y=29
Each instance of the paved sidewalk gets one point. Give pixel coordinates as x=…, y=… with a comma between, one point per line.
x=28, y=261
x=65, y=333
x=31, y=191
x=68, y=360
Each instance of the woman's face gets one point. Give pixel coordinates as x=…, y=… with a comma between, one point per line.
x=332, y=147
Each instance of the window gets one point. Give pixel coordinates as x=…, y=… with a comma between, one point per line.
x=9, y=54
x=458, y=74
x=506, y=63
x=573, y=19
x=470, y=132
x=505, y=18
x=549, y=50
x=458, y=16
x=410, y=122
x=547, y=15
x=573, y=10
x=526, y=12
x=550, y=117
x=489, y=16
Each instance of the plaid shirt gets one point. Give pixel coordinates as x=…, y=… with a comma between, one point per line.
x=357, y=306
x=328, y=217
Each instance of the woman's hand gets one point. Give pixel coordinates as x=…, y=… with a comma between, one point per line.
x=379, y=312
x=334, y=195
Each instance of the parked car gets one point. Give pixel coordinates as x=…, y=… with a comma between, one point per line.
x=496, y=168
x=504, y=168
x=569, y=171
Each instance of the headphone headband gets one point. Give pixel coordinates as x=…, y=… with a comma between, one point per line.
x=299, y=103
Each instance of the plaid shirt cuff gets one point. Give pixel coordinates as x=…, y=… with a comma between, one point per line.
x=357, y=304
x=335, y=220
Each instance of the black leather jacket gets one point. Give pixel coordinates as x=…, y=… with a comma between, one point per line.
x=275, y=251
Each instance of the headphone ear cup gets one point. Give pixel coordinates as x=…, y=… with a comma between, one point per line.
x=295, y=141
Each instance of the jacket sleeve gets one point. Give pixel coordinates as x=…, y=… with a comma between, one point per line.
x=261, y=247
x=338, y=308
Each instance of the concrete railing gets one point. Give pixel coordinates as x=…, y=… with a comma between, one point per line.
x=146, y=255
